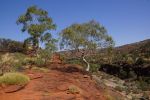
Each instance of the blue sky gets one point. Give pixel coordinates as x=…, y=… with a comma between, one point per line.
x=127, y=21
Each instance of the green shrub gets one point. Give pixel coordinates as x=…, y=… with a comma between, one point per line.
x=75, y=61
x=63, y=57
x=94, y=67
x=14, y=79
x=39, y=62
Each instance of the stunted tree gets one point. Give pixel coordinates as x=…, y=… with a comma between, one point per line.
x=85, y=38
x=38, y=25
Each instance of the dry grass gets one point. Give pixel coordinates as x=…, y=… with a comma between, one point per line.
x=14, y=79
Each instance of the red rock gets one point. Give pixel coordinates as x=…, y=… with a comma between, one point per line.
x=63, y=87
x=13, y=88
x=62, y=96
x=35, y=76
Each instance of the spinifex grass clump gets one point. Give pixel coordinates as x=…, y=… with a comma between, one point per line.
x=73, y=89
x=14, y=79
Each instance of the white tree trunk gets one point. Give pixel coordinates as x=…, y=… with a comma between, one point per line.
x=88, y=65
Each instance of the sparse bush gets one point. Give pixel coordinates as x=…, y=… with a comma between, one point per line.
x=63, y=57
x=73, y=89
x=75, y=61
x=12, y=62
x=44, y=56
x=6, y=63
x=39, y=62
x=94, y=67
x=14, y=79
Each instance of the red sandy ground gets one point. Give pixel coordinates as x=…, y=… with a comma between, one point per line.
x=54, y=85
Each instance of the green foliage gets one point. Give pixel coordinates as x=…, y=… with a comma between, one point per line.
x=12, y=62
x=110, y=54
x=8, y=45
x=63, y=57
x=37, y=23
x=94, y=67
x=44, y=55
x=14, y=78
x=39, y=62
x=85, y=38
x=74, y=61
x=90, y=35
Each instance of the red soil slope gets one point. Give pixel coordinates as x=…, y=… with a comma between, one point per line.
x=54, y=85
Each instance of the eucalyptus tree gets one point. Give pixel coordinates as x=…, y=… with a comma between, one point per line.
x=38, y=25
x=85, y=38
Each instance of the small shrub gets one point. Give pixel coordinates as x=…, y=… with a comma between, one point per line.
x=6, y=62
x=94, y=67
x=39, y=62
x=75, y=61
x=12, y=62
x=73, y=89
x=14, y=79
x=63, y=57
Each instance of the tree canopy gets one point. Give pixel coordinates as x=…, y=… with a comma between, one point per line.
x=85, y=38
x=90, y=35
x=38, y=24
